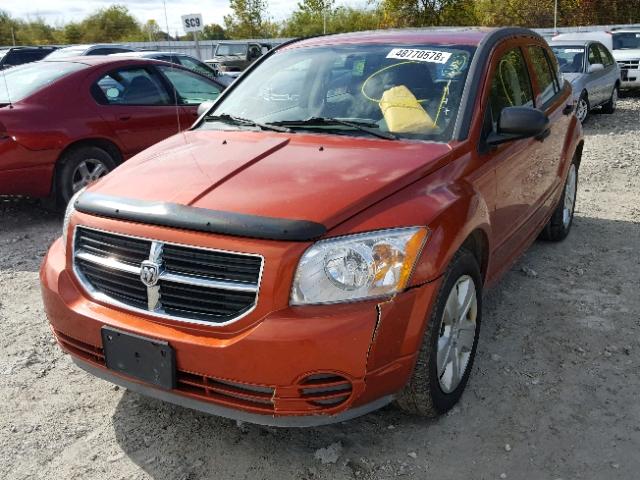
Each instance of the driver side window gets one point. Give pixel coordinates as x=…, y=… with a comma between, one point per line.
x=510, y=86
x=594, y=55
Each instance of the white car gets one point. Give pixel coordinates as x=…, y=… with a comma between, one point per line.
x=625, y=47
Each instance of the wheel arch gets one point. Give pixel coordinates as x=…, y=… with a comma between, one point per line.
x=477, y=242
x=107, y=145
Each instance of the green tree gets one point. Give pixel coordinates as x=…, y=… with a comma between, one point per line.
x=7, y=25
x=72, y=33
x=247, y=19
x=213, y=31
x=112, y=24
x=151, y=31
x=311, y=17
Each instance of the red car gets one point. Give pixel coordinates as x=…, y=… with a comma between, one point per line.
x=318, y=243
x=64, y=123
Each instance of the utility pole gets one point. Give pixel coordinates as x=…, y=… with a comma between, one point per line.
x=195, y=40
x=324, y=20
x=13, y=36
x=555, y=18
x=324, y=17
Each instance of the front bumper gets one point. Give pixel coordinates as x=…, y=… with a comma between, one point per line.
x=299, y=366
x=630, y=78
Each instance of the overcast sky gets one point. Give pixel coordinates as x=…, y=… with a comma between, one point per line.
x=63, y=11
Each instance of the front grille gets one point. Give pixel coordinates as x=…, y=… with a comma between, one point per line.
x=628, y=64
x=171, y=281
x=124, y=249
x=220, y=265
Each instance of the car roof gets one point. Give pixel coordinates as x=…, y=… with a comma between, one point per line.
x=144, y=53
x=562, y=43
x=94, y=60
x=30, y=47
x=470, y=36
x=86, y=46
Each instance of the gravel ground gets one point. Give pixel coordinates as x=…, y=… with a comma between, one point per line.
x=554, y=394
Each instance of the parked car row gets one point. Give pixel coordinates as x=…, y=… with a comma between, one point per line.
x=318, y=243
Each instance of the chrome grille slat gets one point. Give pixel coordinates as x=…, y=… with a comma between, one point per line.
x=191, y=284
x=218, y=265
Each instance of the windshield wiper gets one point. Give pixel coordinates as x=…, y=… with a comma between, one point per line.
x=368, y=127
x=225, y=117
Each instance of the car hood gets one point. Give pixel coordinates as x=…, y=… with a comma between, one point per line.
x=320, y=178
x=626, y=54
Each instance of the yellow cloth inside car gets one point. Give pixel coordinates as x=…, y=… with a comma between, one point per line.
x=403, y=112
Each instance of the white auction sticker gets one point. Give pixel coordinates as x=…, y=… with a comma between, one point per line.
x=432, y=56
x=573, y=50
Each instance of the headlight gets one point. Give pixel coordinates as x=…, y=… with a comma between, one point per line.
x=358, y=266
x=67, y=214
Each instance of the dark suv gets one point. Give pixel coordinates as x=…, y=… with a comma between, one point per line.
x=13, y=56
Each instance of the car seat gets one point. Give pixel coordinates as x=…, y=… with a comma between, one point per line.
x=142, y=91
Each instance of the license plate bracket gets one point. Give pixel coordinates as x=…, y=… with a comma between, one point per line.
x=152, y=361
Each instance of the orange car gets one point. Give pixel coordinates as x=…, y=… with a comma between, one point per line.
x=318, y=243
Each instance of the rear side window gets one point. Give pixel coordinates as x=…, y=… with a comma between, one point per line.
x=544, y=73
x=606, y=57
x=510, y=86
x=132, y=86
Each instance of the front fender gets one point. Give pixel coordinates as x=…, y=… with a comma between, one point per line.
x=451, y=209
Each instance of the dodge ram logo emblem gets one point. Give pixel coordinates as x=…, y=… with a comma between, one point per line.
x=149, y=273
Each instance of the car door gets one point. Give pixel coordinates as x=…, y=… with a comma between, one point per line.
x=191, y=89
x=137, y=107
x=612, y=74
x=556, y=102
x=596, y=80
x=515, y=161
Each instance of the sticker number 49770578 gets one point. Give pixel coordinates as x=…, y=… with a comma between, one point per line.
x=433, y=56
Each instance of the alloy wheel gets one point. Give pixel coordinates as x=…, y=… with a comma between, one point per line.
x=582, y=109
x=457, y=333
x=87, y=172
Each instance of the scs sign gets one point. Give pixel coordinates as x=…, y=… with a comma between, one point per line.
x=192, y=22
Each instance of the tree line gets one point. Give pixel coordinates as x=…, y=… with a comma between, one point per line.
x=250, y=19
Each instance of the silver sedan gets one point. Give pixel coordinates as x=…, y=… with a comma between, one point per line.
x=593, y=73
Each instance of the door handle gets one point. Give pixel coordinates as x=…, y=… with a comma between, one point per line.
x=124, y=117
x=568, y=109
x=543, y=135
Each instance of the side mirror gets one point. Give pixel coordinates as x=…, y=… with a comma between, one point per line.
x=595, y=67
x=516, y=123
x=204, y=107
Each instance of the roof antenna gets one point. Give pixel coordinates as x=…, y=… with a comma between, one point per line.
x=175, y=91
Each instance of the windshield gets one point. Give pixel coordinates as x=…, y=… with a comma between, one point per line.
x=571, y=58
x=409, y=91
x=3, y=53
x=225, y=49
x=626, y=40
x=67, y=52
x=26, y=79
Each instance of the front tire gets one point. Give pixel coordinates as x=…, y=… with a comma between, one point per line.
x=610, y=106
x=80, y=167
x=559, y=225
x=449, y=343
x=583, y=107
